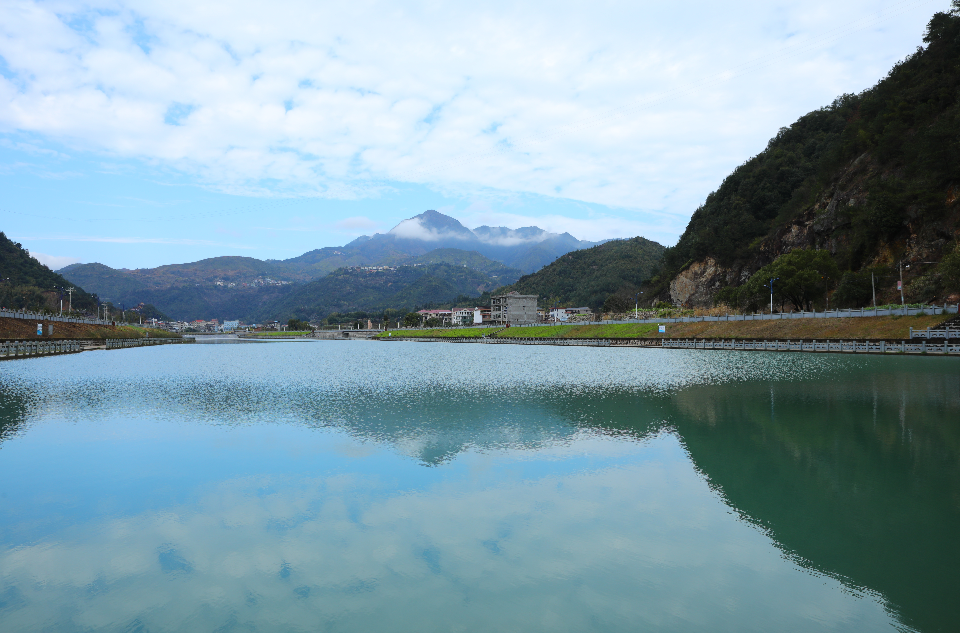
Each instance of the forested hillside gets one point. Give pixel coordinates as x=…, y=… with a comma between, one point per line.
x=872, y=178
x=501, y=273
x=25, y=283
x=401, y=288
x=588, y=277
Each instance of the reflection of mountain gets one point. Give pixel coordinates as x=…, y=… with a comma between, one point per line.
x=858, y=481
x=12, y=411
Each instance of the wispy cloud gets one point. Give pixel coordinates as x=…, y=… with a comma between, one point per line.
x=357, y=223
x=628, y=105
x=131, y=240
x=54, y=262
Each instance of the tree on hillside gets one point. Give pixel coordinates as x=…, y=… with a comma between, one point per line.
x=854, y=291
x=298, y=325
x=801, y=277
x=616, y=304
x=950, y=270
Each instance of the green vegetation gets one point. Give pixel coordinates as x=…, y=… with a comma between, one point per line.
x=26, y=284
x=456, y=257
x=615, y=330
x=799, y=277
x=441, y=333
x=588, y=277
x=297, y=324
x=899, y=140
x=401, y=289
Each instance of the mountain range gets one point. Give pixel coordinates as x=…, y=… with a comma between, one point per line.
x=251, y=289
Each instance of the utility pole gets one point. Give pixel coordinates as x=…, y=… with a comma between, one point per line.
x=772, y=279
x=70, y=291
x=900, y=284
x=873, y=286
x=636, y=310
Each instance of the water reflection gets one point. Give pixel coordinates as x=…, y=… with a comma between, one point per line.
x=591, y=491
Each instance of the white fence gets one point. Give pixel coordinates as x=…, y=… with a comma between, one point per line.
x=857, y=346
x=947, y=332
x=37, y=316
x=120, y=343
x=14, y=349
x=779, y=316
x=41, y=347
x=860, y=346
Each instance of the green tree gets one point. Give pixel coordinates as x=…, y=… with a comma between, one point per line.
x=950, y=269
x=801, y=277
x=854, y=291
x=616, y=304
x=298, y=325
x=412, y=319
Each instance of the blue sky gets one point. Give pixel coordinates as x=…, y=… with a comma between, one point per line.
x=143, y=133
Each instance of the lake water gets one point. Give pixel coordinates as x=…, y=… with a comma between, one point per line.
x=364, y=486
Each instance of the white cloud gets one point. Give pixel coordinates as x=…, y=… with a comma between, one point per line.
x=632, y=105
x=413, y=229
x=131, y=240
x=591, y=229
x=638, y=546
x=54, y=262
x=357, y=223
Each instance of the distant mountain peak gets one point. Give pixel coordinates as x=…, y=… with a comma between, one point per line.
x=432, y=226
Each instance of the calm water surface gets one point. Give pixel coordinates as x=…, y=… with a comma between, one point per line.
x=362, y=486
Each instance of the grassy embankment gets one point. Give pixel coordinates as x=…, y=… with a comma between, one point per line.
x=22, y=329
x=441, y=333
x=887, y=327
x=892, y=327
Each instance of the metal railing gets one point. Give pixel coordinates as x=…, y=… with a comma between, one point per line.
x=849, y=346
x=929, y=333
x=39, y=316
x=779, y=316
x=121, y=343
x=865, y=346
x=16, y=349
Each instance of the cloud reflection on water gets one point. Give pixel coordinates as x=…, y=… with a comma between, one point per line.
x=559, y=497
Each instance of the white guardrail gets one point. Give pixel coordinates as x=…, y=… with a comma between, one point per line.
x=121, y=343
x=830, y=314
x=37, y=316
x=947, y=332
x=849, y=346
x=858, y=346
x=14, y=349
x=40, y=347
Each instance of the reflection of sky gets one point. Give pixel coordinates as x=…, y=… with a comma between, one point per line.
x=298, y=507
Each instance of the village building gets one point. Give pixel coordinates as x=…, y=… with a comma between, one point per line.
x=513, y=309
x=445, y=316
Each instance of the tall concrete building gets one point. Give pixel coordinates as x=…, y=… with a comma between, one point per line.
x=513, y=309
